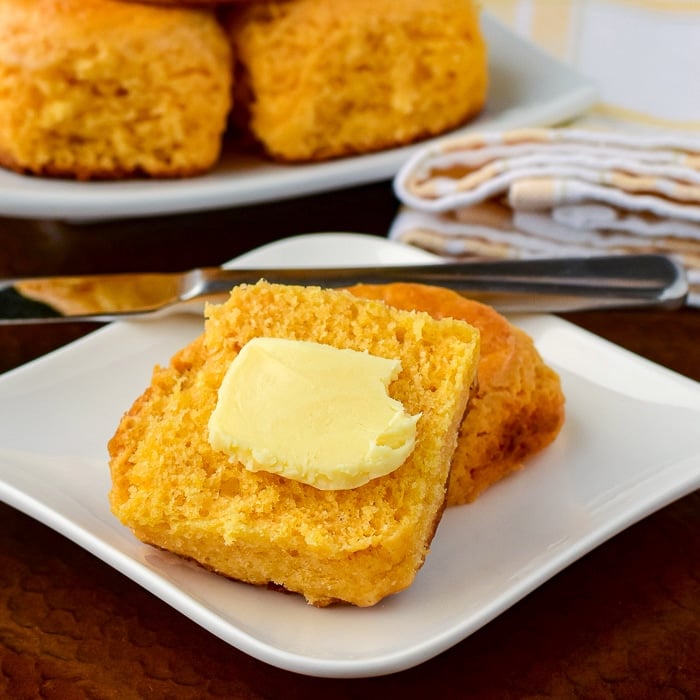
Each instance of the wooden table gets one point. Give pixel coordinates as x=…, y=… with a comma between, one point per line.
x=623, y=622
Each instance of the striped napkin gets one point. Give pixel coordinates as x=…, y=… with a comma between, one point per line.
x=554, y=192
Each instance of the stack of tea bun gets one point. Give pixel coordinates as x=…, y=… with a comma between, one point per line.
x=107, y=89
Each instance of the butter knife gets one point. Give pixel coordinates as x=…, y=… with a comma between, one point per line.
x=553, y=285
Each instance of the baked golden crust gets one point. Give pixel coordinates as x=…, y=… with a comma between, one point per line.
x=319, y=79
x=518, y=407
x=357, y=545
x=106, y=89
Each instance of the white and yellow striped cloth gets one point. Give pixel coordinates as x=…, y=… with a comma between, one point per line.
x=597, y=185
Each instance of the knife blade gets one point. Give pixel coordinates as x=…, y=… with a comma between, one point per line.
x=552, y=285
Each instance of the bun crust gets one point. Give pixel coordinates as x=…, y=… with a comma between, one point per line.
x=518, y=406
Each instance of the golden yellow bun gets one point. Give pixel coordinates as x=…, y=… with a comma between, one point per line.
x=106, y=89
x=318, y=79
x=358, y=545
x=518, y=407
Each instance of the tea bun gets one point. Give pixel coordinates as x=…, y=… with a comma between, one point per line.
x=107, y=89
x=319, y=79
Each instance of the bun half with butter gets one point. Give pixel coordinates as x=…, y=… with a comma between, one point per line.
x=303, y=441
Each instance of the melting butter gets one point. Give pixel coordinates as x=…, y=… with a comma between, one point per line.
x=313, y=413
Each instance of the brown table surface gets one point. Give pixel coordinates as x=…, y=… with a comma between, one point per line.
x=622, y=622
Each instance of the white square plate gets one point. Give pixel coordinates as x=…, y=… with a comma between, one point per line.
x=527, y=88
x=629, y=446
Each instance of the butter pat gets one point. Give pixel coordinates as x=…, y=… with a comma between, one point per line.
x=313, y=413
